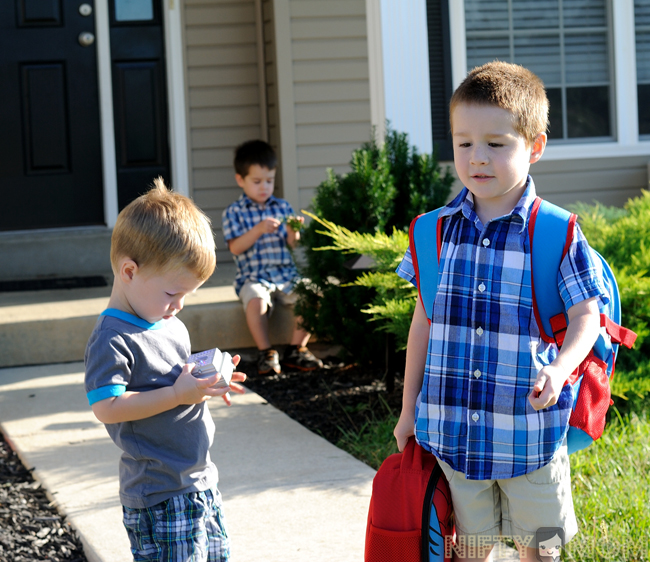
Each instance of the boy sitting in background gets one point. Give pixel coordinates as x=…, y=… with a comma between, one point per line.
x=259, y=236
x=138, y=384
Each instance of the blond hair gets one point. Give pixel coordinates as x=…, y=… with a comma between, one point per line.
x=164, y=230
x=511, y=87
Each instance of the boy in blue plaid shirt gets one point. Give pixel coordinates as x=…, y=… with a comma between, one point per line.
x=482, y=391
x=259, y=236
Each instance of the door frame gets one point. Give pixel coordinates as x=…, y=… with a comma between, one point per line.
x=176, y=108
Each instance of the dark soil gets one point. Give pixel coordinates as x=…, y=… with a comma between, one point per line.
x=30, y=526
x=340, y=397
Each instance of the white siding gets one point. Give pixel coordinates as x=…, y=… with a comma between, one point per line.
x=406, y=70
x=223, y=98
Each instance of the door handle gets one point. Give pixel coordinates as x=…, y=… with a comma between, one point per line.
x=86, y=38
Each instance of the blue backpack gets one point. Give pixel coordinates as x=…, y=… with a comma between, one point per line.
x=550, y=229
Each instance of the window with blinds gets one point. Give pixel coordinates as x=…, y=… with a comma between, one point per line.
x=567, y=43
x=642, y=34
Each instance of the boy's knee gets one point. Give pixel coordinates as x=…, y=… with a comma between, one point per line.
x=257, y=306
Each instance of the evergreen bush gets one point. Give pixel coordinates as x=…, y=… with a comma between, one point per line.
x=387, y=187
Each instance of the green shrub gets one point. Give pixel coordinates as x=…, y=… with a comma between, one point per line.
x=387, y=187
x=394, y=298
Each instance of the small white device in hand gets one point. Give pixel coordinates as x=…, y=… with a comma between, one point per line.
x=212, y=361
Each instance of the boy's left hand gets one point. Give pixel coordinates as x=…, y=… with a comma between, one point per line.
x=236, y=376
x=548, y=385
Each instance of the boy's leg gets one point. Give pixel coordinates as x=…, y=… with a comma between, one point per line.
x=477, y=514
x=539, y=504
x=296, y=355
x=258, y=322
x=183, y=528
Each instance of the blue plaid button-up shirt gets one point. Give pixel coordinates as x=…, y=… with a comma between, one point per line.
x=268, y=261
x=485, y=348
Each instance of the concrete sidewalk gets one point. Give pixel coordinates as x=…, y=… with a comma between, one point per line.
x=289, y=495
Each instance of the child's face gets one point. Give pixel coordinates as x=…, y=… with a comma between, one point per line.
x=550, y=547
x=153, y=295
x=492, y=159
x=258, y=183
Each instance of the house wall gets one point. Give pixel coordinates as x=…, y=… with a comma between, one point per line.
x=610, y=181
x=320, y=96
x=223, y=92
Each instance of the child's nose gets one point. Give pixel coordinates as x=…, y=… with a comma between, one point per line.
x=178, y=303
x=479, y=155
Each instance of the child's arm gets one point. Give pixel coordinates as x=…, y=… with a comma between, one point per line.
x=416, y=356
x=581, y=334
x=293, y=236
x=187, y=389
x=242, y=243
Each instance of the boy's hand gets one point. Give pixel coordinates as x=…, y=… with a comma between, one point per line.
x=192, y=390
x=547, y=387
x=403, y=430
x=236, y=376
x=267, y=226
x=295, y=222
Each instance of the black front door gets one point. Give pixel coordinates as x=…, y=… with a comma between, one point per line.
x=50, y=147
x=139, y=95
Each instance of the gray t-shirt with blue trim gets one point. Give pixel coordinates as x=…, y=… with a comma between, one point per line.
x=167, y=454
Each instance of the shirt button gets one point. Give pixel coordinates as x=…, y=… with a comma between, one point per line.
x=479, y=331
x=475, y=416
x=477, y=373
x=481, y=287
x=486, y=242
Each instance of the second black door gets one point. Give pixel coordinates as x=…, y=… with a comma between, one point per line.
x=139, y=96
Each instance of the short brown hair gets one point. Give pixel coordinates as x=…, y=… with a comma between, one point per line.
x=254, y=152
x=511, y=87
x=164, y=230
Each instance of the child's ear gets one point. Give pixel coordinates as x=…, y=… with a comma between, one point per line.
x=240, y=180
x=128, y=270
x=538, y=148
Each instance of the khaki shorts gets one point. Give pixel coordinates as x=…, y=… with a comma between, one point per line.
x=269, y=294
x=514, y=507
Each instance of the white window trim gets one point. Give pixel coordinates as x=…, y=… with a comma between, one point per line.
x=175, y=67
x=627, y=129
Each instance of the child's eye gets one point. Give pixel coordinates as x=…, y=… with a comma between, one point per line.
x=464, y=144
x=494, y=144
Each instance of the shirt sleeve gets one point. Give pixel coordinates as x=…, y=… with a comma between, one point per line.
x=581, y=275
x=406, y=270
x=233, y=226
x=108, y=366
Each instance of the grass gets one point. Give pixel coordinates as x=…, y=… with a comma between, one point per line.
x=610, y=482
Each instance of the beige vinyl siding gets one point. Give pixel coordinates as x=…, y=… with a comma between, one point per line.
x=223, y=98
x=610, y=181
x=330, y=87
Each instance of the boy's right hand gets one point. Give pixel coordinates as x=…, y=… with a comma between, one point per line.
x=403, y=430
x=267, y=226
x=192, y=390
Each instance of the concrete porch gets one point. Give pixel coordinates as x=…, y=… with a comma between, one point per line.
x=53, y=326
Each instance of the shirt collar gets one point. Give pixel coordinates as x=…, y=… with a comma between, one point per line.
x=248, y=202
x=131, y=319
x=464, y=203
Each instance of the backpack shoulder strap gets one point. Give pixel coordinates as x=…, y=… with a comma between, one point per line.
x=425, y=242
x=550, y=229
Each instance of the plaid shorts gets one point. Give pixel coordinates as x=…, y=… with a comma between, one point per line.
x=184, y=528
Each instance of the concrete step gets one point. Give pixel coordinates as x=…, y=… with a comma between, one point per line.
x=42, y=327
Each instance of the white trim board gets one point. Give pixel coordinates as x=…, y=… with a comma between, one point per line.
x=177, y=116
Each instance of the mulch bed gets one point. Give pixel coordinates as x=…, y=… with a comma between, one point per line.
x=30, y=526
x=339, y=397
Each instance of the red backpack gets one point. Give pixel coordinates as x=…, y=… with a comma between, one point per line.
x=409, y=494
